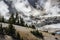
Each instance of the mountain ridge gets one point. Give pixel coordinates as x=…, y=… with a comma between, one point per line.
x=38, y=9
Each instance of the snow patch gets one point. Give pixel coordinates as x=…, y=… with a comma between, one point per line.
x=3, y=9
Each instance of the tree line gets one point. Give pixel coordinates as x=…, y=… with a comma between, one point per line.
x=15, y=19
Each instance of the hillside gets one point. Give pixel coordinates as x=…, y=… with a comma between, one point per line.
x=27, y=35
x=30, y=19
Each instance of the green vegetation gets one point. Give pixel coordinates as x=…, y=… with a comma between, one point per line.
x=22, y=23
x=15, y=19
x=2, y=19
x=46, y=31
x=1, y=29
x=33, y=27
x=37, y=34
x=56, y=38
x=10, y=30
x=53, y=34
x=11, y=19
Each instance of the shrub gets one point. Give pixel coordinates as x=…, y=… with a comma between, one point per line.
x=53, y=34
x=11, y=30
x=2, y=19
x=37, y=34
x=1, y=29
x=5, y=30
x=18, y=36
x=26, y=25
x=22, y=22
x=46, y=31
x=11, y=19
x=56, y=38
x=33, y=26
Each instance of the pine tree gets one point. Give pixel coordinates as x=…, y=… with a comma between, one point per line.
x=11, y=30
x=22, y=21
x=33, y=26
x=16, y=19
x=1, y=29
x=2, y=18
x=12, y=19
x=18, y=22
x=26, y=25
x=16, y=16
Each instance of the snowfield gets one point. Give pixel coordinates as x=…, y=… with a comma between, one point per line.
x=51, y=28
x=3, y=9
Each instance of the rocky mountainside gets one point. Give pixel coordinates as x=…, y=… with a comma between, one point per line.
x=32, y=11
